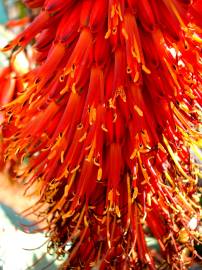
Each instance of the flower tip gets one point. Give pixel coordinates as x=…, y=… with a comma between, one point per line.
x=37, y=80
x=6, y=48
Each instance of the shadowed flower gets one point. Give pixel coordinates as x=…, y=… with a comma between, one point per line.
x=107, y=121
x=7, y=92
x=11, y=87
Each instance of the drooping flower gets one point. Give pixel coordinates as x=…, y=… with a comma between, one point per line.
x=11, y=86
x=107, y=122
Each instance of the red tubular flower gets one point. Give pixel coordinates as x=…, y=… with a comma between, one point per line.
x=6, y=94
x=11, y=86
x=107, y=121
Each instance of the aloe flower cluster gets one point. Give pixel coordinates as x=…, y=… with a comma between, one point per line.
x=106, y=121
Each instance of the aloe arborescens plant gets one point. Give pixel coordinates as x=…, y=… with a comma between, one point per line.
x=107, y=120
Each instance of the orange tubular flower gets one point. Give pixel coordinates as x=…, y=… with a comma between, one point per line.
x=107, y=121
x=6, y=95
x=11, y=86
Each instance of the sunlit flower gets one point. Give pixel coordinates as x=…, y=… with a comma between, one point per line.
x=107, y=120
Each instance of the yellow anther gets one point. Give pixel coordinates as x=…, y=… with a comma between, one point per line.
x=83, y=137
x=138, y=110
x=124, y=32
x=135, y=193
x=99, y=174
x=62, y=156
x=145, y=69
